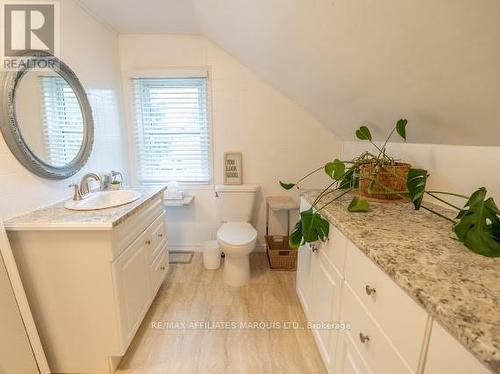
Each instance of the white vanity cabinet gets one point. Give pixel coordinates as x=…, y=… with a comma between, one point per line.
x=389, y=332
x=319, y=286
x=387, y=328
x=89, y=289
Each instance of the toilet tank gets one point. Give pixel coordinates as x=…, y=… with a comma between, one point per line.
x=236, y=203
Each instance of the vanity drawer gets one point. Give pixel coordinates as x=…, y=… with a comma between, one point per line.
x=126, y=232
x=347, y=358
x=401, y=318
x=374, y=347
x=158, y=236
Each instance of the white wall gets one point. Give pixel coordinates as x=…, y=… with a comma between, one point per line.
x=279, y=140
x=459, y=169
x=91, y=50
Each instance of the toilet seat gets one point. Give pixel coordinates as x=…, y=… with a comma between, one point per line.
x=236, y=234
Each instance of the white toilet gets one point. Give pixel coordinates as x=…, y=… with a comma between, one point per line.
x=236, y=236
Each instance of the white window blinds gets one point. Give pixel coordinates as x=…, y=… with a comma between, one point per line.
x=62, y=121
x=171, y=129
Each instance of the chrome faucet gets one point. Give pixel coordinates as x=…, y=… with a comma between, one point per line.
x=84, y=183
x=83, y=189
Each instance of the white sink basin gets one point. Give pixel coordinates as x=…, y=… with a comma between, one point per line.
x=103, y=200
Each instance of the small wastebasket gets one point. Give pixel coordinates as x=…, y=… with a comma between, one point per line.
x=211, y=255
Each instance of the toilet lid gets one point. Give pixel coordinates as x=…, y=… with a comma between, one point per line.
x=237, y=233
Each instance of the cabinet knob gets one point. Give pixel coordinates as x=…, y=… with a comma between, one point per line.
x=370, y=290
x=160, y=235
x=148, y=242
x=364, y=338
x=162, y=268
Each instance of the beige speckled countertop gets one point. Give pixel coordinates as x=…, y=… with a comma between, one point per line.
x=57, y=217
x=459, y=288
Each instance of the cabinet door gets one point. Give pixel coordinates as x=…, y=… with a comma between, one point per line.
x=347, y=358
x=325, y=308
x=131, y=276
x=304, y=277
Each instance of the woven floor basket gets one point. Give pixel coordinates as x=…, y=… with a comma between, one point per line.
x=390, y=178
x=279, y=253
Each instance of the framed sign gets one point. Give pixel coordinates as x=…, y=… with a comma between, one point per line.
x=233, y=168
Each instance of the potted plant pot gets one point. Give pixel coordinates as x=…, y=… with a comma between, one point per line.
x=384, y=183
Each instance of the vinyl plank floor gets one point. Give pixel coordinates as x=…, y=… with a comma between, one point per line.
x=191, y=293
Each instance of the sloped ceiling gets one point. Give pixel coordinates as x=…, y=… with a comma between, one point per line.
x=348, y=62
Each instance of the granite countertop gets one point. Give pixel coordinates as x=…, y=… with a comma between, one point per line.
x=459, y=288
x=57, y=217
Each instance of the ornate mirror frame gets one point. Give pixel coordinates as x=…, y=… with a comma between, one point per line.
x=9, y=125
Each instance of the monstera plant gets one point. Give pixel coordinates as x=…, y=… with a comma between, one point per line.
x=477, y=224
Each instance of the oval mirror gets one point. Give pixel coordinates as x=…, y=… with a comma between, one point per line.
x=47, y=120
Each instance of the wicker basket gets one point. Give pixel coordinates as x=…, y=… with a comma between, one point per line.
x=390, y=178
x=279, y=253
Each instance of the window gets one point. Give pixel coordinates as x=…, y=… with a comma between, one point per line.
x=171, y=129
x=62, y=121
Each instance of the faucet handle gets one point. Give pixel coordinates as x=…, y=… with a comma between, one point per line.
x=77, y=196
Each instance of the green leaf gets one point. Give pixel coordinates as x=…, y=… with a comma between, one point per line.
x=330, y=169
x=295, y=239
x=401, y=128
x=287, y=186
x=363, y=133
x=314, y=227
x=358, y=205
x=335, y=169
x=479, y=225
x=350, y=179
x=416, y=182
